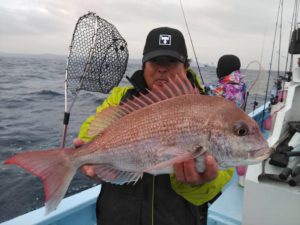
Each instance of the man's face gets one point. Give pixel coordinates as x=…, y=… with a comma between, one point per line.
x=158, y=70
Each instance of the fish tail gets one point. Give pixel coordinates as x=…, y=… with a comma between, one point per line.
x=55, y=169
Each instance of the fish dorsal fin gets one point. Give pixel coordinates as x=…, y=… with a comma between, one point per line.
x=177, y=86
x=103, y=119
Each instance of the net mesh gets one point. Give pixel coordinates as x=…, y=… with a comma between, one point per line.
x=98, y=56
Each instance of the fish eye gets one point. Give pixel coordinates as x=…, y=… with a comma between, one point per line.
x=240, y=129
x=242, y=132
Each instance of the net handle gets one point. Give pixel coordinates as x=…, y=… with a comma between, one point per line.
x=87, y=67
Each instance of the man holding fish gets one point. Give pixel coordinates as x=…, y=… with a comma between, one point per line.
x=155, y=146
x=162, y=199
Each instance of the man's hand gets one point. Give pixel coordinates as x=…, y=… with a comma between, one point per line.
x=87, y=170
x=186, y=172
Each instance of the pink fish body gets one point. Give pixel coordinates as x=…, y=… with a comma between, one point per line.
x=149, y=134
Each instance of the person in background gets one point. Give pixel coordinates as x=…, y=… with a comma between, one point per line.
x=162, y=199
x=232, y=87
x=230, y=83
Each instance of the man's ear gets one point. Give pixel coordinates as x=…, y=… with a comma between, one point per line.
x=187, y=64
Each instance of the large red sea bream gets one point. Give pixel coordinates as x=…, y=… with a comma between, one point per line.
x=149, y=134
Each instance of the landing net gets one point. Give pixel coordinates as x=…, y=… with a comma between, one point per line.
x=97, y=60
x=98, y=56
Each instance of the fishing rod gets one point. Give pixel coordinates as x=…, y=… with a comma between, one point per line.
x=253, y=83
x=294, y=26
x=294, y=23
x=271, y=61
x=191, y=40
x=97, y=60
x=255, y=102
x=279, y=46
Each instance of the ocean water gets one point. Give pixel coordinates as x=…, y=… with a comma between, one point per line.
x=31, y=115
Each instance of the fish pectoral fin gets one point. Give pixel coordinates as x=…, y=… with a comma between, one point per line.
x=108, y=173
x=169, y=156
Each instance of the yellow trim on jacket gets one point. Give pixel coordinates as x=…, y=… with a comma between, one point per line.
x=197, y=79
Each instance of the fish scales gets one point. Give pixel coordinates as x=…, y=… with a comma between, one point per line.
x=162, y=124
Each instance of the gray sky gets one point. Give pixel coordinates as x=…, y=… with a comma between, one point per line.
x=218, y=27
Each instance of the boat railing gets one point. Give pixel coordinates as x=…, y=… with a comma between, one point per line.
x=77, y=209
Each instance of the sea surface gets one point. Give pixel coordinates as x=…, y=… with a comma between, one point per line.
x=31, y=115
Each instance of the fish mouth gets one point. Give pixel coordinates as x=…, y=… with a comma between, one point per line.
x=253, y=157
x=259, y=154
